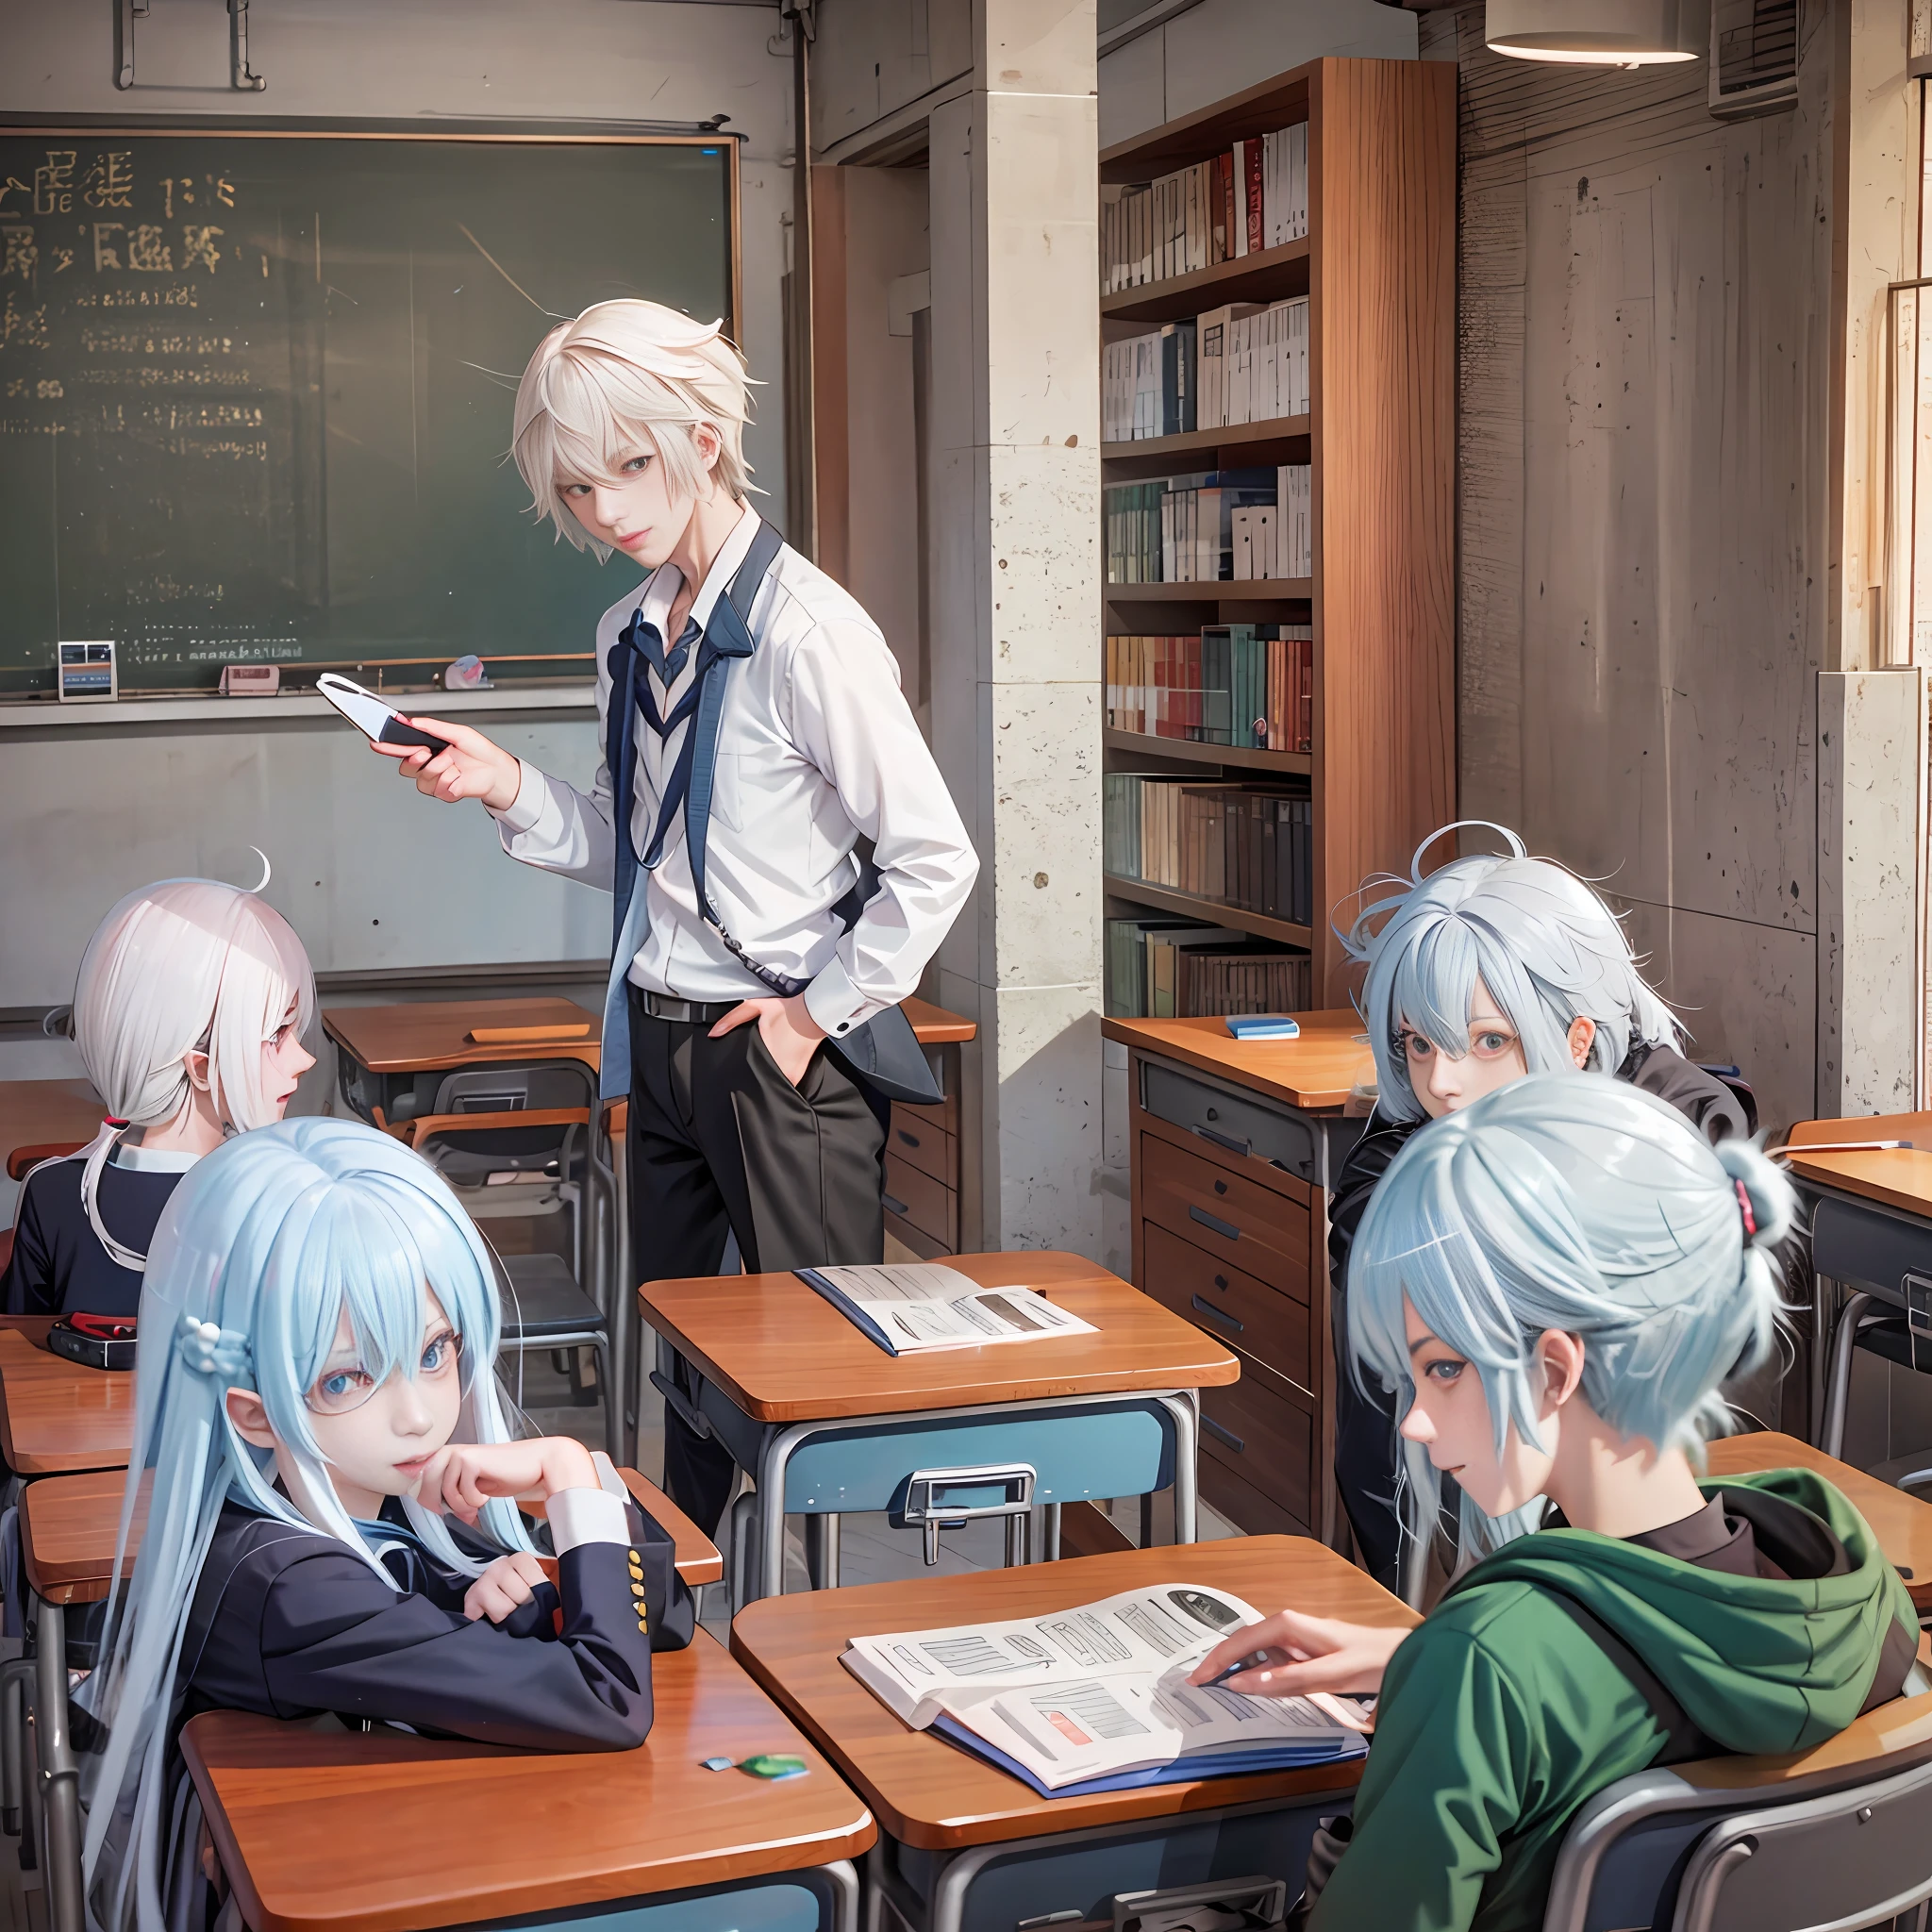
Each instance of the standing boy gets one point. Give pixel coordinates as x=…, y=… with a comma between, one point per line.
x=758, y=725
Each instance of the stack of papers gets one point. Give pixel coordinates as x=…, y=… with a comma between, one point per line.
x=1096, y=1699
x=915, y=1307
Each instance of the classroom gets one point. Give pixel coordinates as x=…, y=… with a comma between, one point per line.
x=964, y=966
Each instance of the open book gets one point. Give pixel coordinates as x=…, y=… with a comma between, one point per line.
x=910, y=1306
x=1096, y=1698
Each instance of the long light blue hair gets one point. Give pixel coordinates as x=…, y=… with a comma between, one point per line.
x=260, y=1249
x=1574, y=1202
x=1546, y=946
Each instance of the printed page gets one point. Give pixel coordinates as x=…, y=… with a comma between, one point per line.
x=923, y=1306
x=1150, y=1629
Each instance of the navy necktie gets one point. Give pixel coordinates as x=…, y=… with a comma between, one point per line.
x=669, y=665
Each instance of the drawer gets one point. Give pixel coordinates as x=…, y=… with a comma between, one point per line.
x=1264, y=1439
x=908, y=1236
x=942, y=1117
x=1244, y=1505
x=928, y=1205
x=1232, y=1305
x=1239, y=1123
x=1233, y=1218
x=929, y=1148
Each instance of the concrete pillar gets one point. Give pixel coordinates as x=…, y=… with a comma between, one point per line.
x=1016, y=652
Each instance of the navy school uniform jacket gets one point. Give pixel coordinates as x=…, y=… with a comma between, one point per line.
x=58, y=1263
x=287, y=1623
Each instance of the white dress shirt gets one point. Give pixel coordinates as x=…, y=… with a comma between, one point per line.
x=816, y=746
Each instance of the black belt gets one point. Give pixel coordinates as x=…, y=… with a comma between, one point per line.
x=661, y=1005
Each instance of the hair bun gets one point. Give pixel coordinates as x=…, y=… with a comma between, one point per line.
x=1773, y=1199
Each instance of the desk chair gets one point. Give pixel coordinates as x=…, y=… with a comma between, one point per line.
x=1833, y=1837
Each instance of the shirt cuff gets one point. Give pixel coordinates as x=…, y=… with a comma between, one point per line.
x=836, y=1003
x=527, y=807
x=586, y=1516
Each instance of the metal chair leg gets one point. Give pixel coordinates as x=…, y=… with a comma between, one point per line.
x=1845, y=1339
x=822, y=1551
x=1049, y=1534
x=613, y=1401
x=744, y=1555
x=14, y=1677
x=60, y=1775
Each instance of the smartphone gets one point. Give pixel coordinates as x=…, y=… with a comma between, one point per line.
x=371, y=716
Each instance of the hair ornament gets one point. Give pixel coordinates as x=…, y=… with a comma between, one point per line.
x=210, y=1349
x=1744, y=1209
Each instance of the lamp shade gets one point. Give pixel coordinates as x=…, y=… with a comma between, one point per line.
x=1601, y=33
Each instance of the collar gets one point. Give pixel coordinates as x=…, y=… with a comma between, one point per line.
x=661, y=588
x=153, y=1159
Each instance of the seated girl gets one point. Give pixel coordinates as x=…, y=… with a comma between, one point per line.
x=317, y=1399
x=1479, y=973
x=1557, y=1279
x=188, y=1011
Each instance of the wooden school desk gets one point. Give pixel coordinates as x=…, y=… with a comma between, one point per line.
x=1871, y=1229
x=450, y=1834
x=56, y=1416
x=825, y=1422
x=1902, y=1522
x=960, y=1840
x=1235, y=1146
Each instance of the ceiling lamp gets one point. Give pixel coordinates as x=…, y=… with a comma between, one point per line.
x=1599, y=33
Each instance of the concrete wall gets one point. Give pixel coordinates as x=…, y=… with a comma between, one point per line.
x=83, y=827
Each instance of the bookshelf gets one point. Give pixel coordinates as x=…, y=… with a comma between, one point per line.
x=1377, y=265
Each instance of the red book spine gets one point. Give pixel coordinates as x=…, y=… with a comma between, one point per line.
x=1251, y=152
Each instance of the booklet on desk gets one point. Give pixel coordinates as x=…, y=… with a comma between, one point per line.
x=1096, y=1698
x=910, y=1307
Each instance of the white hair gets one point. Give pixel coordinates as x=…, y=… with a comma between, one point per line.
x=178, y=967
x=625, y=373
x=1544, y=944
x=1582, y=1203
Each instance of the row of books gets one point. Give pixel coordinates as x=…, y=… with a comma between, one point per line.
x=1212, y=526
x=1177, y=969
x=1236, y=683
x=1252, y=198
x=1248, y=845
x=1243, y=362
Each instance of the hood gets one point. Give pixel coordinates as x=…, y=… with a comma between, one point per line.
x=1760, y=1665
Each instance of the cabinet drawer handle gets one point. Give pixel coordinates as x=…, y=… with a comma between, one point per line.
x=911, y=1140
x=893, y=1207
x=1219, y=1314
x=1227, y=1140
x=1221, y=1186
x=1224, y=1228
x=1226, y=1436
x=1220, y=1281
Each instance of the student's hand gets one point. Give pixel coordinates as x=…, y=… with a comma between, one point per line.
x=1305, y=1654
x=460, y=1479
x=472, y=766
x=791, y=1034
x=506, y=1584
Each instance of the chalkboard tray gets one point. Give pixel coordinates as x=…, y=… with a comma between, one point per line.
x=256, y=388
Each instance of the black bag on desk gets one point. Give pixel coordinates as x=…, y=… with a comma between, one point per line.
x=96, y=1341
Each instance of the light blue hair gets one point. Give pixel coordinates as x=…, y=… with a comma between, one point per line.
x=1579, y=1202
x=1546, y=946
x=260, y=1249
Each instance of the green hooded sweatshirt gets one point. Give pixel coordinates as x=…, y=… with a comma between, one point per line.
x=1501, y=1716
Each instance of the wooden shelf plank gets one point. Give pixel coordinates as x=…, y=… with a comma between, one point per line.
x=1289, y=763
x=1268, y=276
x=1271, y=104
x=1223, y=590
x=1209, y=912
x=1240, y=439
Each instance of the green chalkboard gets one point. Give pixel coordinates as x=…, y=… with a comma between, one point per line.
x=255, y=390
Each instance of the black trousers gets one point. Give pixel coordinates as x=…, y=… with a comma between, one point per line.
x=719, y=1143
x=1366, y=1453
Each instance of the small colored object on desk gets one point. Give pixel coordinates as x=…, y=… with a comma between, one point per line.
x=1263, y=1026
x=766, y=1764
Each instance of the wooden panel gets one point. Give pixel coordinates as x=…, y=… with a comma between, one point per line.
x=1247, y=1314
x=1317, y=1072
x=533, y=1830
x=930, y=1149
x=944, y=1117
x=1243, y=1505
x=1382, y=221
x=42, y=1113
x=934, y=1027
x=928, y=1793
x=436, y=1033
x=784, y=1355
x=56, y=1416
x=910, y=1236
x=1273, y=1445
x=930, y=1206
x=1232, y=1217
